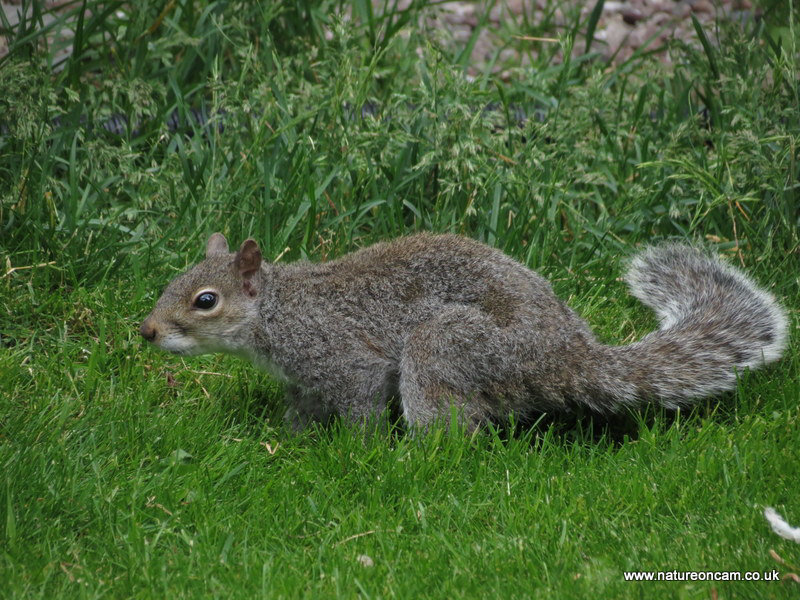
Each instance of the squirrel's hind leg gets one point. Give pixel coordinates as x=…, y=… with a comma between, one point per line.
x=455, y=360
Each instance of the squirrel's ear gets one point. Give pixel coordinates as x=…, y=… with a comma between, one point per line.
x=217, y=244
x=248, y=259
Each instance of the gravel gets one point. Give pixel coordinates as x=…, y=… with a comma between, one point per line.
x=506, y=36
x=623, y=27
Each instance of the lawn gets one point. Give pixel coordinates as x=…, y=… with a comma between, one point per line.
x=128, y=472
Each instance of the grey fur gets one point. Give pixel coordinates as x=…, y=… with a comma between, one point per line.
x=436, y=320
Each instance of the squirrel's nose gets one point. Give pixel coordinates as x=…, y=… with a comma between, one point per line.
x=148, y=330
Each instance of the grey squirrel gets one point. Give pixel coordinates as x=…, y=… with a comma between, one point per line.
x=441, y=320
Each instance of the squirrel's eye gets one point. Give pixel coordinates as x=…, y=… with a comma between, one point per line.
x=206, y=300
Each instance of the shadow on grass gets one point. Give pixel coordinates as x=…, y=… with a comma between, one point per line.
x=267, y=407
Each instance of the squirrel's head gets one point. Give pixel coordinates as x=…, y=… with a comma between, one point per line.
x=211, y=307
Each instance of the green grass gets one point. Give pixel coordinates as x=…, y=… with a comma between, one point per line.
x=131, y=473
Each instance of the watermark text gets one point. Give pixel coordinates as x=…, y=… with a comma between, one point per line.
x=701, y=575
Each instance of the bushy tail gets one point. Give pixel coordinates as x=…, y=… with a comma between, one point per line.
x=713, y=320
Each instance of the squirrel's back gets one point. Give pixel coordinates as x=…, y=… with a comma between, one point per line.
x=414, y=275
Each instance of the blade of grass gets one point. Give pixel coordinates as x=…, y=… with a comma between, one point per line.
x=591, y=25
